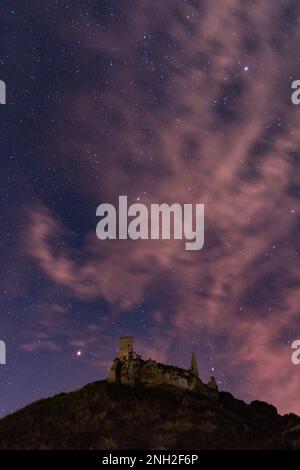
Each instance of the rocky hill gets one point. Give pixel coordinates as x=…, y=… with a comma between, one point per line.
x=111, y=416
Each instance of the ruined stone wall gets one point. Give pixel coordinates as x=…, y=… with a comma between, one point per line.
x=152, y=373
x=136, y=371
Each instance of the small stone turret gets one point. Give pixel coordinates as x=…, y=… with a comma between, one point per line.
x=194, y=367
x=212, y=385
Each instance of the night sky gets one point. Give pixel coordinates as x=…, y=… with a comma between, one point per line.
x=162, y=101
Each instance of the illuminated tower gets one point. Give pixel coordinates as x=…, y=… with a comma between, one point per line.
x=126, y=347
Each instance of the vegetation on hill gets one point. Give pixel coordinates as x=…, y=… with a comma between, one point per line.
x=111, y=416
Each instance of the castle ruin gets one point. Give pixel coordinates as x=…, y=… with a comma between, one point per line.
x=129, y=368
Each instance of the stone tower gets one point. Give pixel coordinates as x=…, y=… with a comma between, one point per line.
x=126, y=347
x=194, y=367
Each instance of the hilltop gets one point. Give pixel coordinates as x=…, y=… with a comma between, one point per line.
x=111, y=416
